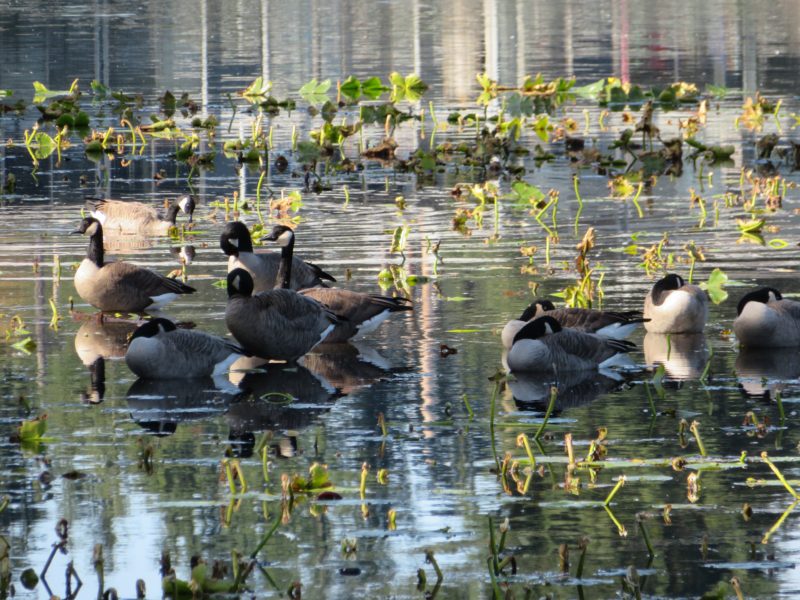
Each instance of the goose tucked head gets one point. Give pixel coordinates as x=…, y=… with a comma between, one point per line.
x=187, y=204
x=663, y=286
x=153, y=327
x=235, y=238
x=282, y=234
x=536, y=307
x=763, y=295
x=240, y=283
x=89, y=226
x=538, y=328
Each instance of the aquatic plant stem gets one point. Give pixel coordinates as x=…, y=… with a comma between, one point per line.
x=610, y=497
x=576, y=186
x=263, y=542
x=636, y=200
x=550, y=406
x=779, y=475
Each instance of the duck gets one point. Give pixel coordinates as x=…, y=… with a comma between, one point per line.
x=611, y=324
x=543, y=346
x=237, y=244
x=765, y=319
x=674, y=306
x=159, y=350
x=120, y=216
x=363, y=312
x=277, y=324
x=119, y=286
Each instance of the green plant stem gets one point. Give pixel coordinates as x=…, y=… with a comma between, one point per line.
x=620, y=483
x=550, y=406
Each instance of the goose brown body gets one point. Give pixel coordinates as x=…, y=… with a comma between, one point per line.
x=123, y=217
x=276, y=324
x=120, y=286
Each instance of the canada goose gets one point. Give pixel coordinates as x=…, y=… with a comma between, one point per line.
x=275, y=324
x=159, y=350
x=543, y=346
x=616, y=325
x=237, y=244
x=120, y=286
x=674, y=306
x=363, y=312
x=765, y=319
x=119, y=216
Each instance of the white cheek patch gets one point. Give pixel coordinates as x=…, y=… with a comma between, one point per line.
x=184, y=205
x=285, y=238
x=234, y=242
x=236, y=282
x=92, y=229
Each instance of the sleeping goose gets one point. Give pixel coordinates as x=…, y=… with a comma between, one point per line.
x=120, y=286
x=766, y=320
x=363, y=312
x=159, y=350
x=119, y=216
x=237, y=244
x=274, y=324
x=615, y=325
x=674, y=306
x=543, y=346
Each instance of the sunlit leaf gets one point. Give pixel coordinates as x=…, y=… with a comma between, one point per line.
x=591, y=90
x=372, y=88
x=315, y=93
x=714, y=286
x=257, y=90
x=32, y=430
x=718, y=91
x=777, y=243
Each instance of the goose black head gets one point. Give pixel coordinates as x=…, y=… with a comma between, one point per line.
x=187, y=204
x=538, y=328
x=280, y=233
x=235, y=238
x=763, y=295
x=663, y=286
x=240, y=283
x=89, y=226
x=153, y=327
x=537, y=306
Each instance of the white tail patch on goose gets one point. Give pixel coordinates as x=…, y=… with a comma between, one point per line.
x=161, y=300
x=372, y=324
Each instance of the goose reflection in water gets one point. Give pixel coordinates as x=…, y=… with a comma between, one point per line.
x=158, y=405
x=350, y=366
x=684, y=355
x=95, y=342
x=275, y=397
x=575, y=388
x=765, y=372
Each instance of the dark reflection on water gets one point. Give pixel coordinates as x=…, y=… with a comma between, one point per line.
x=440, y=462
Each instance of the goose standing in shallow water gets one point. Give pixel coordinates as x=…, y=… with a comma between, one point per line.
x=159, y=350
x=674, y=306
x=119, y=216
x=237, y=244
x=362, y=313
x=120, y=286
x=543, y=346
x=767, y=320
x=610, y=324
x=275, y=324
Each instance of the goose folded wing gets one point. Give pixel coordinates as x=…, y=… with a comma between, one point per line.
x=143, y=280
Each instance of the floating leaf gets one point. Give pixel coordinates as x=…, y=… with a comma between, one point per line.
x=718, y=91
x=410, y=87
x=526, y=193
x=751, y=226
x=714, y=286
x=351, y=87
x=33, y=430
x=591, y=90
x=6, y=93
x=257, y=90
x=43, y=145
x=777, y=243
x=315, y=93
x=372, y=88
x=26, y=345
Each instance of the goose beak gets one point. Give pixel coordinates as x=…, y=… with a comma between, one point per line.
x=270, y=237
x=76, y=231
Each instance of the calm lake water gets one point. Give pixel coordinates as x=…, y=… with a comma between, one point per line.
x=136, y=466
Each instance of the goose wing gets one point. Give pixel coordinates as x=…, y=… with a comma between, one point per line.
x=586, y=346
x=593, y=320
x=119, y=210
x=126, y=277
x=787, y=308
